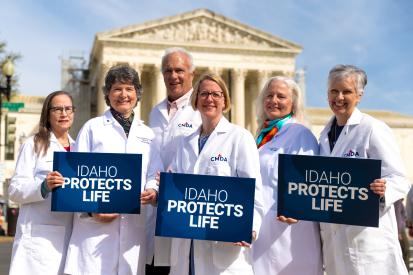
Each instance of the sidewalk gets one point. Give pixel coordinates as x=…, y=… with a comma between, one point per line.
x=5, y=253
x=6, y=239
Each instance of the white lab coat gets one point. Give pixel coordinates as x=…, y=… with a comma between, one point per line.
x=238, y=146
x=366, y=250
x=167, y=134
x=117, y=247
x=281, y=248
x=42, y=236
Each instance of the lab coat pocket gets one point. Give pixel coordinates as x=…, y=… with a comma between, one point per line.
x=48, y=244
x=367, y=244
x=45, y=166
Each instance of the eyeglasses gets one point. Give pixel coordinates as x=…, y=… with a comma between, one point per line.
x=59, y=110
x=215, y=95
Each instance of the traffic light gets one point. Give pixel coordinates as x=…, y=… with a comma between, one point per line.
x=10, y=137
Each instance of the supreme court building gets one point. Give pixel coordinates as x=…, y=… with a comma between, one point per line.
x=244, y=56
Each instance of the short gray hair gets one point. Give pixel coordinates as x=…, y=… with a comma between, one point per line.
x=172, y=50
x=123, y=74
x=340, y=72
x=297, y=100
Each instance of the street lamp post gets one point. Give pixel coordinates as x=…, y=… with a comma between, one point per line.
x=8, y=71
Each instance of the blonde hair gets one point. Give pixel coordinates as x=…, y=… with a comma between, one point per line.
x=218, y=80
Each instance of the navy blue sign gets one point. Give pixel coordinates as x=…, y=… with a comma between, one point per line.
x=328, y=189
x=98, y=182
x=205, y=207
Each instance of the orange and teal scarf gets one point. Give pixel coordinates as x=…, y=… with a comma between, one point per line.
x=269, y=129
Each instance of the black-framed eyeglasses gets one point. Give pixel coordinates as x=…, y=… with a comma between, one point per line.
x=59, y=109
x=215, y=95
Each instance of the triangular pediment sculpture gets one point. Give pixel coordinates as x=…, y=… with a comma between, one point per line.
x=200, y=27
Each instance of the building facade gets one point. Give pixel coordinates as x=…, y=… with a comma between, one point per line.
x=25, y=121
x=244, y=56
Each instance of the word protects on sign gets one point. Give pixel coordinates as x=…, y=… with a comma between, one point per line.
x=205, y=206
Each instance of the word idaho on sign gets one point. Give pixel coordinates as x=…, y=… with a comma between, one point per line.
x=328, y=189
x=98, y=182
x=205, y=207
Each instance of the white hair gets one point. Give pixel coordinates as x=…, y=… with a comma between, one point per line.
x=297, y=100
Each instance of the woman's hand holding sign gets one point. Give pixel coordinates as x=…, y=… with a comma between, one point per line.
x=245, y=244
x=105, y=218
x=287, y=220
x=378, y=186
x=54, y=179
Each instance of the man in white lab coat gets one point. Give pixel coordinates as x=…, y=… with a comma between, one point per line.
x=170, y=119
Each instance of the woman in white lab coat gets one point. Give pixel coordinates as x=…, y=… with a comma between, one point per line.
x=42, y=236
x=282, y=248
x=216, y=136
x=351, y=249
x=115, y=243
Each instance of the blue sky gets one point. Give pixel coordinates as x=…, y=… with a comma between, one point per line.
x=376, y=35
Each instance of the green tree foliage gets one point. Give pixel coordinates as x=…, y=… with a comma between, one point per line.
x=4, y=55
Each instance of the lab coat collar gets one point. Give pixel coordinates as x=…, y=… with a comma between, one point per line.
x=223, y=127
x=354, y=119
x=291, y=120
x=53, y=139
x=183, y=101
x=163, y=106
x=108, y=119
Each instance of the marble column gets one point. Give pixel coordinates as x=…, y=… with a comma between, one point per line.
x=101, y=104
x=159, y=90
x=138, y=68
x=262, y=77
x=238, y=96
x=216, y=70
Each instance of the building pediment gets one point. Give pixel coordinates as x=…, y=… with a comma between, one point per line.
x=200, y=27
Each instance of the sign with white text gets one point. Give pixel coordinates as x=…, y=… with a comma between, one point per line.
x=328, y=189
x=98, y=182
x=205, y=207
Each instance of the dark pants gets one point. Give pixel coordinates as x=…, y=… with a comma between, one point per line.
x=405, y=245
x=156, y=270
